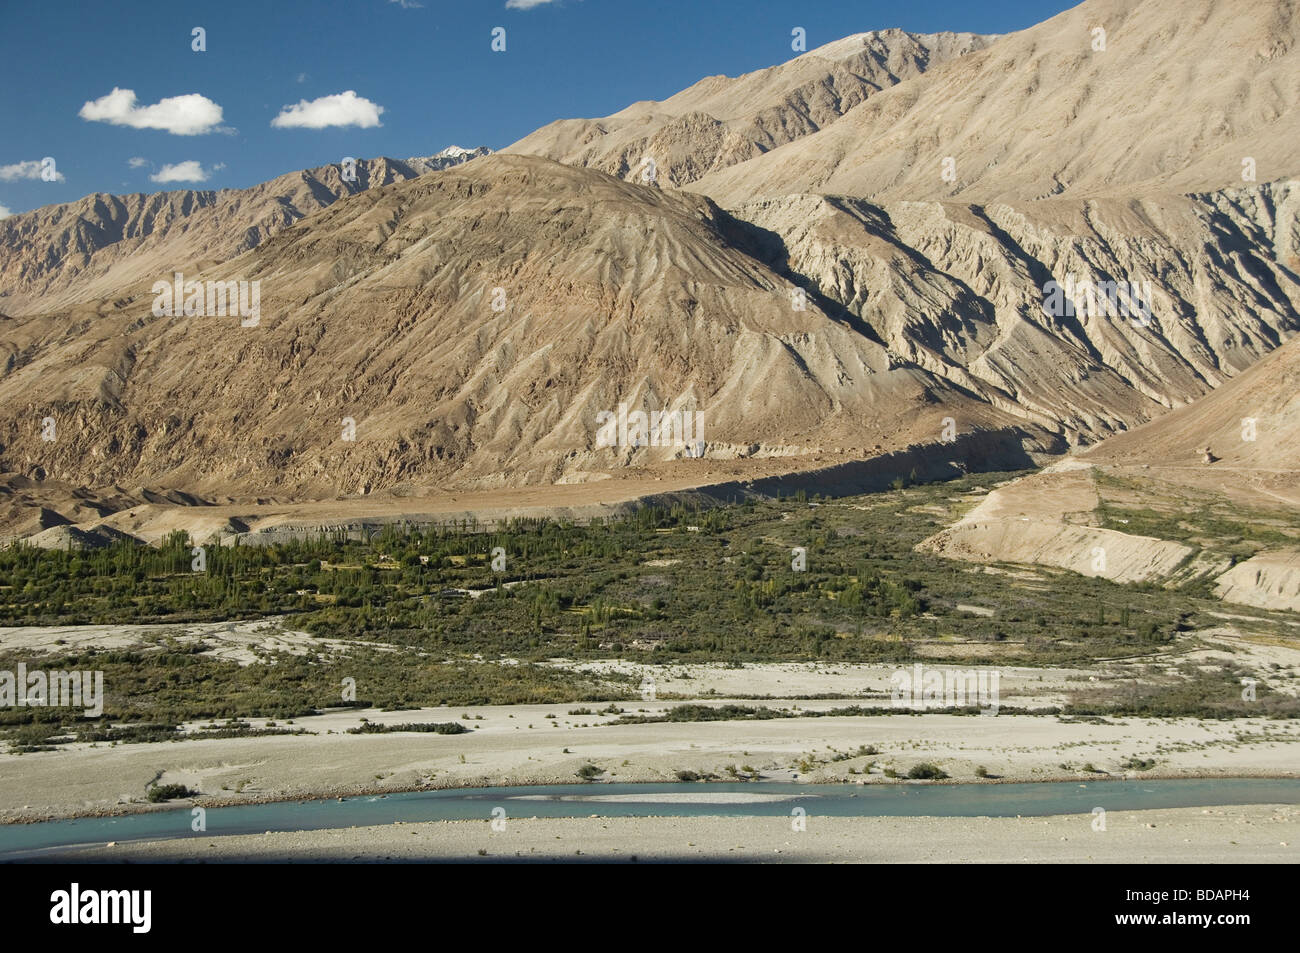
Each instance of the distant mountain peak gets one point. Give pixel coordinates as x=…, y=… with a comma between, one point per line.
x=452, y=155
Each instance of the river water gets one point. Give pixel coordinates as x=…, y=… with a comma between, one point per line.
x=641, y=800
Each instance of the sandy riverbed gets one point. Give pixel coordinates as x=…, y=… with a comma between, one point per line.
x=520, y=745
x=1249, y=834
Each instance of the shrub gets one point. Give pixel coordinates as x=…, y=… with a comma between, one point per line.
x=436, y=727
x=168, y=792
x=925, y=771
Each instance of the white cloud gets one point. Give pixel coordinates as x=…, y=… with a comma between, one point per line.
x=341, y=109
x=189, y=115
x=4, y=212
x=137, y=162
x=188, y=171
x=302, y=77
x=526, y=4
x=31, y=169
x=408, y=4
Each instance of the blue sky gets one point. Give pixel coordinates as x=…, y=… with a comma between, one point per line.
x=430, y=68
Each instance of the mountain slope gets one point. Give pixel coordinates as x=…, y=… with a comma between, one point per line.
x=1151, y=506
x=721, y=121
x=59, y=255
x=1183, y=92
x=380, y=309
x=1070, y=163
x=1252, y=423
x=961, y=290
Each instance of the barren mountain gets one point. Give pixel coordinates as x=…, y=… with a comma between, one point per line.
x=1094, y=170
x=60, y=255
x=1182, y=94
x=381, y=309
x=473, y=324
x=721, y=121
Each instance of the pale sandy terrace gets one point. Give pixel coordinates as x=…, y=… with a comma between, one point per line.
x=245, y=642
x=1249, y=834
x=249, y=641
x=520, y=745
x=1018, y=686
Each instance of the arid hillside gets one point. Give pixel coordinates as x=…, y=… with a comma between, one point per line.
x=1205, y=289
x=472, y=324
x=1170, y=96
x=721, y=121
x=1251, y=424
x=60, y=255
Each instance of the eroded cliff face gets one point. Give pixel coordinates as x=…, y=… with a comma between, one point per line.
x=1269, y=581
x=1219, y=479
x=965, y=293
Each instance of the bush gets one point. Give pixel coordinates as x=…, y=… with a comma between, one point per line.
x=925, y=771
x=169, y=792
x=436, y=727
x=1139, y=764
x=589, y=772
